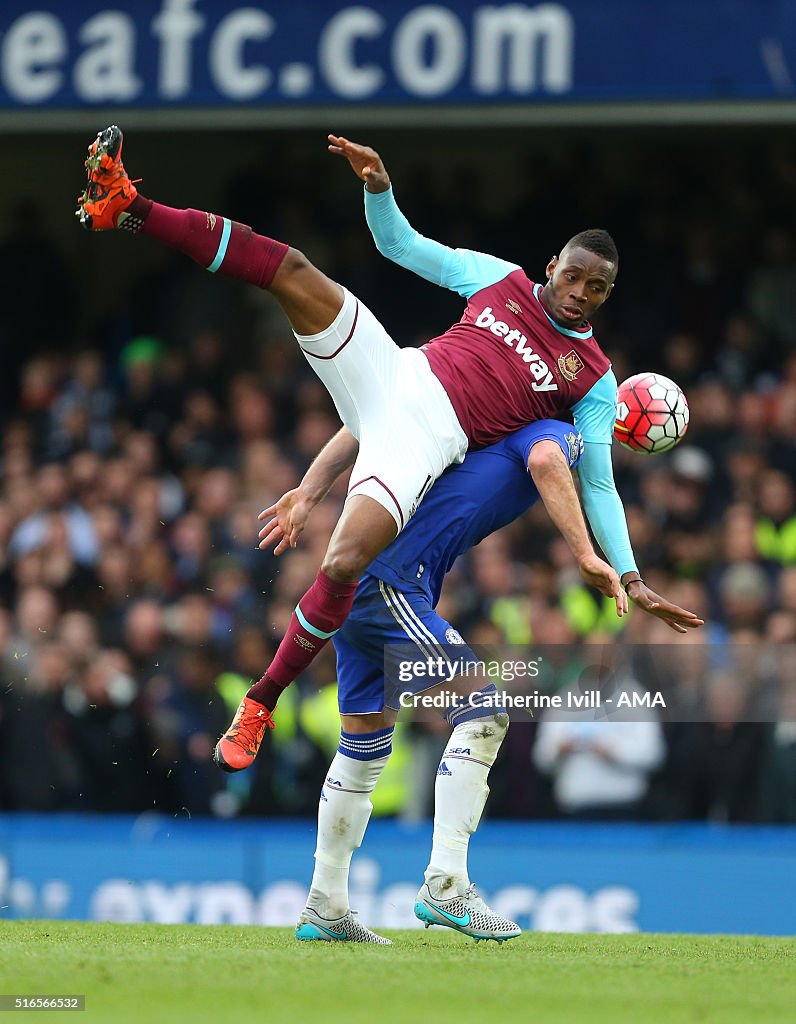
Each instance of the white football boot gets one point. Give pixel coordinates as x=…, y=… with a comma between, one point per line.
x=465, y=912
x=311, y=926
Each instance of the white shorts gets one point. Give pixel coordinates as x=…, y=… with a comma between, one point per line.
x=390, y=400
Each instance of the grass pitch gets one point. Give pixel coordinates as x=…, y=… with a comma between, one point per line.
x=184, y=974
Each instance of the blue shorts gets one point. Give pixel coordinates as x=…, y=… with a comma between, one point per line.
x=393, y=642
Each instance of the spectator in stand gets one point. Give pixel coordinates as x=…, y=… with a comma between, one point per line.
x=717, y=775
x=600, y=762
x=188, y=716
x=77, y=632
x=112, y=741
x=744, y=596
x=43, y=776
x=776, y=526
x=781, y=401
x=746, y=460
x=56, y=510
x=771, y=290
x=86, y=394
x=690, y=506
x=145, y=640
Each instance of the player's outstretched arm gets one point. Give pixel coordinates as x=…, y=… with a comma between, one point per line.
x=291, y=512
x=548, y=466
x=461, y=270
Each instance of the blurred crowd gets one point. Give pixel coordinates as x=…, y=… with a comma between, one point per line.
x=139, y=447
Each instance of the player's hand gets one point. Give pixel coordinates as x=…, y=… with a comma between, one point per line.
x=676, y=618
x=290, y=515
x=603, y=577
x=365, y=162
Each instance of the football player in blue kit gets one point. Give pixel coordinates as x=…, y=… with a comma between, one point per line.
x=393, y=610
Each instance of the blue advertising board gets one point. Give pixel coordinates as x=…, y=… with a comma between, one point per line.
x=548, y=877
x=173, y=53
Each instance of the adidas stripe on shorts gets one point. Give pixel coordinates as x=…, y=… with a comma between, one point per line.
x=386, y=629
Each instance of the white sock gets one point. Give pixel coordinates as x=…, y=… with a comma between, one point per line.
x=343, y=814
x=459, y=797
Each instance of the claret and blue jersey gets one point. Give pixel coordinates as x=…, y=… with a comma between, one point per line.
x=507, y=362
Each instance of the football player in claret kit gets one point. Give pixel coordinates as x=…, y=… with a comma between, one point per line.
x=520, y=353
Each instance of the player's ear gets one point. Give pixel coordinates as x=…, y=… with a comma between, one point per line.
x=551, y=266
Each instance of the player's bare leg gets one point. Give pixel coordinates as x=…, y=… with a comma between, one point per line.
x=309, y=299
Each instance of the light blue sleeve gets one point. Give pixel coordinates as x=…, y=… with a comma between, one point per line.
x=462, y=270
x=594, y=417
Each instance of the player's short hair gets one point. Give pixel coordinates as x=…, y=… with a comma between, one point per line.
x=598, y=241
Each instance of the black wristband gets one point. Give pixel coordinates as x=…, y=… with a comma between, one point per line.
x=638, y=579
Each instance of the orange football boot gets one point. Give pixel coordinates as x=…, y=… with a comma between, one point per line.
x=239, y=745
x=109, y=190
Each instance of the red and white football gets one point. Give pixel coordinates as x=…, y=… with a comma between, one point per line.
x=651, y=414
